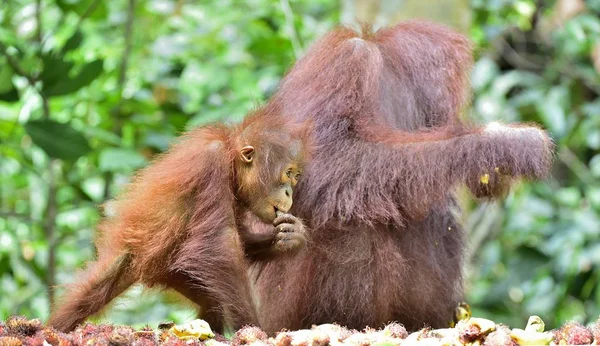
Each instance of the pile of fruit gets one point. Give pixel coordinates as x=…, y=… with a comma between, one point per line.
x=473, y=331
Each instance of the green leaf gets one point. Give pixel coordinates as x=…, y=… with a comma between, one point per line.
x=58, y=140
x=158, y=140
x=569, y=196
x=504, y=83
x=67, y=85
x=591, y=23
x=55, y=69
x=484, y=72
x=205, y=118
x=6, y=74
x=98, y=8
x=593, y=195
x=73, y=42
x=592, y=138
x=8, y=92
x=595, y=165
x=552, y=111
x=102, y=135
x=10, y=96
x=118, y=159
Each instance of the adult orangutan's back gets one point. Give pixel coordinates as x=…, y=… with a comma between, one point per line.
x=377, y=194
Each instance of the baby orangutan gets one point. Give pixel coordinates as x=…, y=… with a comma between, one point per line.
x=178, y=225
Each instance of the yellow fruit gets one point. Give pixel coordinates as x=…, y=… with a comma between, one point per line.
x=527, y=338
x=485, y=179
x=196, y=329
x=535, y=324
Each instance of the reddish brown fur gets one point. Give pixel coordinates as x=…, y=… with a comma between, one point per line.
x=377, y=195
x=176, y=225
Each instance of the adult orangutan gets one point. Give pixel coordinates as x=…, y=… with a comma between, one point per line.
x=377, y=196
x=178, y=225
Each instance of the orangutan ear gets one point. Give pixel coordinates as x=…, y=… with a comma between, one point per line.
x=247, y=153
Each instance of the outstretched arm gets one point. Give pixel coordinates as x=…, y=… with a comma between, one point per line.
x=483, y=158
x=402, y=176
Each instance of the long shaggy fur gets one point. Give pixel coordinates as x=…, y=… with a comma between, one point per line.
x=377, y=196
x=176, y=225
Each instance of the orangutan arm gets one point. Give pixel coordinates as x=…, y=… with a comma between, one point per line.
x=484, y=158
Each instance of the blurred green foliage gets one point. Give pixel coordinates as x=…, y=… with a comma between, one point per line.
x=540, y=253
x=90, y=90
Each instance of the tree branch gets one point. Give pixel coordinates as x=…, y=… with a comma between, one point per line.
x=49, y=232
x=576, y=166
x=128, y=46
x=128, y=37
x=32, y=81
x=38, y=19
x=20, y=216
x=88, y=11
x=51, y=209
x=14, y=65
x=289, y=20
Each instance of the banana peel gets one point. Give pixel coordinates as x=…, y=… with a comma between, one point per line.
x=533, y=334
x=535, y=324
x=461, y=312
x=531, y=338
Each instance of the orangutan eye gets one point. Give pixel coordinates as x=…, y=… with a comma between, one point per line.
x=297, y=177
x=288, y=173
